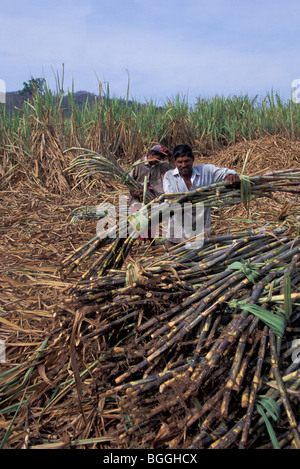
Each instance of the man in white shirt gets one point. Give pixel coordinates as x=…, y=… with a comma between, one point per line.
x=187, y=177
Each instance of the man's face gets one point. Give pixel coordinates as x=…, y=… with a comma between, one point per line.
x=184, y=164
x=154, y=158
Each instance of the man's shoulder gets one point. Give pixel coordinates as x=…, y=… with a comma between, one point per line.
x=171, y=172
x=199, y=168
x=207, y=167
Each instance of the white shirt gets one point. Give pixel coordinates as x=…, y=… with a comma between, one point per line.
x=202, y=175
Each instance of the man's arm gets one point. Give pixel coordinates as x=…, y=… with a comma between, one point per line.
x=170, y=157
x=224, y=174
x=233, y=179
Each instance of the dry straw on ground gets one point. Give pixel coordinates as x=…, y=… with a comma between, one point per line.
x=123, y=370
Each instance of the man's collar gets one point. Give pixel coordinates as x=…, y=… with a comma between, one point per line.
x=194, y=171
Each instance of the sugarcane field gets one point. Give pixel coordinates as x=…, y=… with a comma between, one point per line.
x=115, y=342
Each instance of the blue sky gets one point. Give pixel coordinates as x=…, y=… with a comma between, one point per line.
x=193, y=48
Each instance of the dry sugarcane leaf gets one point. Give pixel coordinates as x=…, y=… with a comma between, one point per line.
x=42, y=373
x=165, y=433
x=15, y=327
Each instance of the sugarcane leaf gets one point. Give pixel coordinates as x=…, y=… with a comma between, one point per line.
x=273, y=409
x=2, y=444
x=273, y=320
x=269, y=427
x=248, y=269
x=271, y=406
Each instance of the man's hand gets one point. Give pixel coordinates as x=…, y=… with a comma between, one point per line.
x=169, y=153
x=233, y=180
x=153, y=159
x=166, y=150
x=137, y=194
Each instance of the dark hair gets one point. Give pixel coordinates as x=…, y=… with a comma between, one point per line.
x=182, y=150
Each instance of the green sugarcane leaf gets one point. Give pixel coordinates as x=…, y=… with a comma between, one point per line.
x=273, y=320
x=2, y=444
x=271, y=406
x=269, y=427
x=248, y=269
x=273, y=409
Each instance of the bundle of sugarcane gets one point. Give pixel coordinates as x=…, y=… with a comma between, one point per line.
x=251, y=188
x=194, y=265
x=92, y=164
x=88, y=213
x=205, y=335
x=217, y=195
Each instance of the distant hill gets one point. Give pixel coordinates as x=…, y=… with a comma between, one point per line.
x=15, y=100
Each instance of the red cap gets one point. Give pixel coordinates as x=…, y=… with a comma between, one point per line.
x=158, y=149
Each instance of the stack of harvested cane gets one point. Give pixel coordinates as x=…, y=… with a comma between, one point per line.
x=203, y=341
x=193, y=349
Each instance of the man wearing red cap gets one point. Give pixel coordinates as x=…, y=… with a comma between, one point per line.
x=153, y=167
